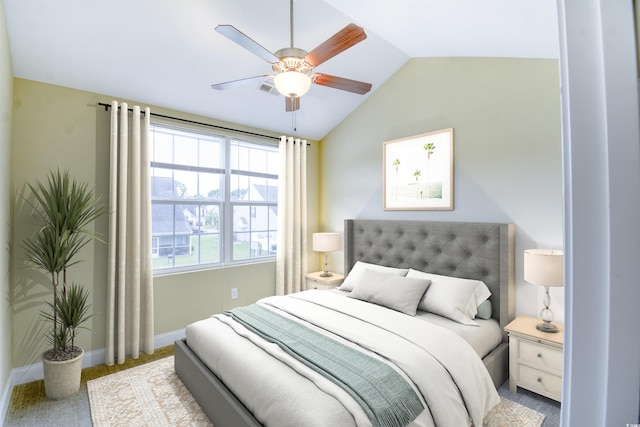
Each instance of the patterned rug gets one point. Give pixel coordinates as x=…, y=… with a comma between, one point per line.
x=511, y=414
x=149, y=395
x=152, y=395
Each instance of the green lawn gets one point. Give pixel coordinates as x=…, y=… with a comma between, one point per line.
x=206, y=252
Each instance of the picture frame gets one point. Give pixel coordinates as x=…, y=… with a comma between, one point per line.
x=418, y=172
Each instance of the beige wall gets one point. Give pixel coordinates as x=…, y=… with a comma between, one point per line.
x=6, y=83
x=506, y=117
x=508, y=161
x=56, y=126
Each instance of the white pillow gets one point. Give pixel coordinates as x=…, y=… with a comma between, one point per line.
x=452, y=297
x=355, y=275
x=396, y=292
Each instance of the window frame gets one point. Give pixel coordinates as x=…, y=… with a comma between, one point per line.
x=225, y=202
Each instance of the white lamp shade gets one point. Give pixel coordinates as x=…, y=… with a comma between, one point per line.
x=326, y=242
x=544, y=267
x=292, y=83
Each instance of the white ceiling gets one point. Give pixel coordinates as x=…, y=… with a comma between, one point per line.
x=166, y=52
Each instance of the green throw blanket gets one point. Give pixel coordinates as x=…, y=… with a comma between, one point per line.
x=386, y=398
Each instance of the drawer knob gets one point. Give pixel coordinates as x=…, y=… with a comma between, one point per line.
x=539, y=355
x=539, y=380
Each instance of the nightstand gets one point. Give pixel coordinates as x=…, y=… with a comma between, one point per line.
x=315, y=281
x=535, y=358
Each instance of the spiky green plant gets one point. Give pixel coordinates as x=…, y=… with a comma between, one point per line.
x=65, y=207
x=72, y=310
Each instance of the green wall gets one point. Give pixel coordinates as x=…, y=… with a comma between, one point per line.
x=6, y=86
x=507, y=150
x=55, y=127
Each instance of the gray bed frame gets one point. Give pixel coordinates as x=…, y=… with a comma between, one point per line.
x=482, y=251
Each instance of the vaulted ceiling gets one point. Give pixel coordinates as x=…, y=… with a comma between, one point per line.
x=167, y=53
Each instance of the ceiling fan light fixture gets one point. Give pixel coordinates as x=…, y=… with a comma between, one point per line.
x=292, y=83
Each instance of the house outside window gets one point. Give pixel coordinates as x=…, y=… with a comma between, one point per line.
x=214, y=198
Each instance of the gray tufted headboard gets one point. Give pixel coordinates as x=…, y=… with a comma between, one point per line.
x=481, y=251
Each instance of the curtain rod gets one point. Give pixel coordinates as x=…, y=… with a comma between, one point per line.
x=107, y=106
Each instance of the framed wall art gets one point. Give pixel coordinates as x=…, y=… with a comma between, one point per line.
x=418, y=172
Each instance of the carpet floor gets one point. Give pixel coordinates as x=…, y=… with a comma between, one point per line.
x=30, y=407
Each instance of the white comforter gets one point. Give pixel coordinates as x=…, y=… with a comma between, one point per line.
x=450, y=377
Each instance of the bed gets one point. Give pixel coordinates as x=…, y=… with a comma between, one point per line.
x=475, y=251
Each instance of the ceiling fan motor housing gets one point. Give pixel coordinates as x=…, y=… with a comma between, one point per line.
x=291, y=59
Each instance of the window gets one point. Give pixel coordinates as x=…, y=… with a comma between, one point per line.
x=214, y=199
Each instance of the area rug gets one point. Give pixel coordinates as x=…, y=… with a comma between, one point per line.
x=149, y=395
x=152, y=395
x=509, y=414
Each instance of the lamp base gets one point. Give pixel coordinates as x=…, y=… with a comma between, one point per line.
x=326, y=274
x=545, y=326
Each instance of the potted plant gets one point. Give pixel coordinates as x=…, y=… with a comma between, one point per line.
x=65, y=208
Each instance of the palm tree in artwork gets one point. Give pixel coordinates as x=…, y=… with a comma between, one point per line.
x=430, y=147
x=417, y=174
x=396, y=163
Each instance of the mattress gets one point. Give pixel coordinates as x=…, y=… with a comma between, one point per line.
x=280, y=392
x=483, y=338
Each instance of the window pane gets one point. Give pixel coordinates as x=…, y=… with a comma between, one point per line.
x=170, y=234
x=260, y=218
x=211, y=185
x=273, y=242
x=162, y=146
x=253, y=237
x=239, y=156
x=252, y=188
x=273, y=190
x=185, y=184
x=258, y=160
x=204, y=221
x=186, y=151
x=273, y=162
x=210, y=154
x=241, y=218
x=273, y=217
x=246, y=156
x=262, y=190
x=239, y=187
x=161, y=183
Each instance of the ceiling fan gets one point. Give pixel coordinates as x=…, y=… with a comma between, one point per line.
x=293, y=67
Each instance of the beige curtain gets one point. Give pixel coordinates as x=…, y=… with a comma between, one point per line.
x=291, y=266
x=130, y=271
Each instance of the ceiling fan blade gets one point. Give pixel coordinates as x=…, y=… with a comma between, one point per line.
x=339, y=42
x=341, y=83
x=292, y=103
x=240, y=82
x=237, y=36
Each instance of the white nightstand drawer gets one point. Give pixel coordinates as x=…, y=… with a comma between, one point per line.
x=540, y=355
x=319, y=286
x=318, y=281
x=540, y=382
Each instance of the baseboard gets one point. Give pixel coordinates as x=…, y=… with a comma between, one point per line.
x=169, y=338
x=35, y=372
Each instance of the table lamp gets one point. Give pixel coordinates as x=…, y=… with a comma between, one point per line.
x=326, y=242
x=544, y=267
